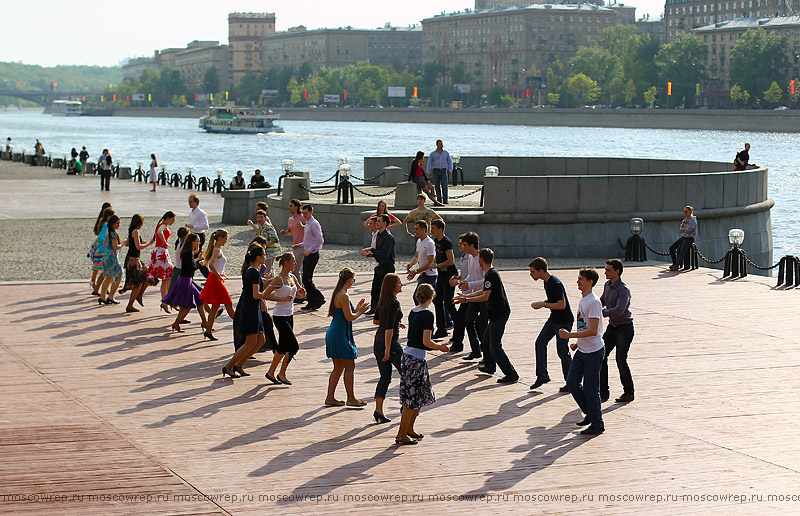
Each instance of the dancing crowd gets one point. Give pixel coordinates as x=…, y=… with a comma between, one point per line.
x=468, y=300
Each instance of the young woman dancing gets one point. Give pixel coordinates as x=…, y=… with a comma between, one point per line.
x=112, y=270
x=160, y=265
x=98, y=248
x=339, y=343
x=93, y=249
x=214, y=292
x=185, y=294
x=286, y=287
x=387, y=346
x=135, y=271
x=415, y=382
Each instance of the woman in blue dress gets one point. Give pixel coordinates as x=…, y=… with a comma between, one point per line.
x=339, y=343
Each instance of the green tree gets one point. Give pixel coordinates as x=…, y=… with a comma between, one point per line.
x=774, y=94
x=496, y=94
x=582, y=89
x=682, y=62
x=459, y=75
x=650, y=95
x=757, y=60
x=294, y=91
x=601, y=65
x=367, y=94
x=629, y=92
x=739, y=96
x=211, y=80
x=556, y=75
x=553, y=98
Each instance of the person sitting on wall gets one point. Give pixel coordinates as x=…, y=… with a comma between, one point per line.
x=742, y=158
x=259, y=181
x=237, y=183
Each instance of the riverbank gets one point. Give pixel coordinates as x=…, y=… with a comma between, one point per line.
x=718, y=120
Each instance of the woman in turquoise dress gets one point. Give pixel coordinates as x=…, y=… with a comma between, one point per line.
x=339, y=343
x=112, y=270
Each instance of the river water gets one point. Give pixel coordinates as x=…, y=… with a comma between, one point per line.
x=314, y=146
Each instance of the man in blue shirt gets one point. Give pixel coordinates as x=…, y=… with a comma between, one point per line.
x=440, y=166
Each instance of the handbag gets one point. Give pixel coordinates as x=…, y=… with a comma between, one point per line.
x=92, y=250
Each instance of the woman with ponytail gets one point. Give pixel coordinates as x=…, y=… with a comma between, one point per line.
x=214, y=292
x=160, y=264
x=185, y=294
x=286, y=286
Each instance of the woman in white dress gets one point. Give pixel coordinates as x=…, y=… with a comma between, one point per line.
x=153, y=168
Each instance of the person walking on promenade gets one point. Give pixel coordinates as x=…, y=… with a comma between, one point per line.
x=96, y=251
x=160, y=267
x=83, y=157
x=265, y=229
x=588, y=358
x=311, y=246
x=470, y=281
x=153, y=171
x=383, y=252
x=295, y=228
x=214, y=292
x=112, y=270
x=616, y=299
x=440, y=166
x=560, y=317
x=135, y=270
x=424, y=259
x=415, y=381
x=498, y=311
x=386, y=347
x=680, y=247
x=340, y=346
x=286, y=288
x=382, y=210
x=742, y=158
x=420, y=213
x=185, y=295
x=445, y=264
x=417, y=176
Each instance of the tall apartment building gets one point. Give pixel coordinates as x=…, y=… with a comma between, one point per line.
x=488, y=4
x=507, y=45
x=197, y=58
x=245, y=31
x=647, y=26
x=681, y=16
x=330, y=48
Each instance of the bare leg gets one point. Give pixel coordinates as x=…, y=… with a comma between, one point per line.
x=338, y=367
x=286, y=359
x=251, y=345
x=229, y=309
x=181, y=315
x=405, y=424
x=212, y=315
x=114, y=286
x=141, y=293
x=412, y=419
x=105, y=286
x=135, y=291
x=379, y=405
x=202, y=316
x=349, y=376
x=164, y=288
x=98, y=282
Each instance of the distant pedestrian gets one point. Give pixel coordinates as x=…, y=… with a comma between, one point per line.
x=153, y=171
x=417, y=175
x=238, y=182
x=383, y=210
x=104, y=163
x=616, y=299
x=83, y=156
x=682, y=245
x=258, y=181
x=742, y=158
x=584, y=373
x=311, y=246
x=440, y=167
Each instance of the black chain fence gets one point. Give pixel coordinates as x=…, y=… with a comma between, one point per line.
x=466, y=194
x=312, y=192
x=758, y=266
x=374, y=195
x=325, y=181
x=701, y=255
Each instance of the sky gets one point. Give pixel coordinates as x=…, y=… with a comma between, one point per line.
x=94, y=32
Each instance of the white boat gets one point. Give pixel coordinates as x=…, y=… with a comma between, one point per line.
x=240, y=120
x=65, y=108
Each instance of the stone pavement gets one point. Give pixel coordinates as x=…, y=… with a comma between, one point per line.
x=103, y=403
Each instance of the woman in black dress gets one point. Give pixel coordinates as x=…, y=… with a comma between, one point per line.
x=135, y=269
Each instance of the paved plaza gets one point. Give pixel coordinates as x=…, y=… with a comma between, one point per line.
x=104, y=412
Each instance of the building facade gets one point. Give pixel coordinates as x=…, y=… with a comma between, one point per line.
x=331, y=48
x=510, y=46
x=197, y=59
x=245, y=31
x=682, y=16
x=647, y=26
x=134, y=67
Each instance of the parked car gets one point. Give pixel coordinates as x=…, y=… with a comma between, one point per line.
x=781, y=108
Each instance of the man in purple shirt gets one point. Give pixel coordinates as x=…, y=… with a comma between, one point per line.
x=311, y=245
x=616, y=301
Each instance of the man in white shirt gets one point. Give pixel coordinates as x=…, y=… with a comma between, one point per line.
x=424, y=258
x=311, y=246
x=475, y=319
x=588, y=358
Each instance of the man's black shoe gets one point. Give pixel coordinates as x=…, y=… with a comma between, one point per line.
x=593, y=430
x=625, y=398
x=472, y=356
x=604, y=396
x=299, y=300
x=456, y=348
x=563, y=389
x=583, y=422
x=440, y=334
x=508, y=379
x=539, y=382
x=484, y=370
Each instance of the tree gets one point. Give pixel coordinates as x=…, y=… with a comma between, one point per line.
x=629, y=92
x=459, y=75
x=757, y=60
x=599, y=64
x=739, y=96
x=682, y=62
x=774, y=94
x=650, y=95
x=294, y=91
x=553, y=98
x=582, y=89
x=367, y=94
x=496, y=94
x=556, y=81
x=211, y=80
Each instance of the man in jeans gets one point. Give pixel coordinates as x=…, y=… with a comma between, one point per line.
x=440, y=166
x=616, y=299
x=583, y=380
x=678, y=250
x=560, y=317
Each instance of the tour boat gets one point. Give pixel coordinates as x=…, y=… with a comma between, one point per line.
x=240, y=120
x=65, y=108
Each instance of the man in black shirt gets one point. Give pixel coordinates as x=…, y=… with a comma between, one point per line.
x=498, y=310
x=383, y=252
x=446, y=265
x=742, y=158
x=258, y=181
x=560, y=317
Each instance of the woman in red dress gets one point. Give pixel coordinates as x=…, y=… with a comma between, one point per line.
x=214, y=292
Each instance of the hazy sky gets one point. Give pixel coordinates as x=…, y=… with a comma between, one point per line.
x=52, y=32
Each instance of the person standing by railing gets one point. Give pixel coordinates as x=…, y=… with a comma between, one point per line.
x=440, y=166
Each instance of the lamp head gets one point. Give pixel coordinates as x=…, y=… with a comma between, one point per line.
x=189, y=170
x=287, y=165
x=491, y=171
x=140, y=163
x=341, y=160
x=456, y=158
x=736, y=237
x=219, y=173
x=637, y=225
x=345, y=170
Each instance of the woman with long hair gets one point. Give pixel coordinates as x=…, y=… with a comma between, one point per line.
x=153, y=175
x=270, y=342
x=417, y=175
x=387, y=346
x=185, y=294
x=340, y=346
x=182, y=233
x=247, y=321
x=160, y=264
x=214, y=292
x=135, y=271
x=415, y=382
x=286, y=285
x=383, y=210
x=112, y=270
x=95, y=254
